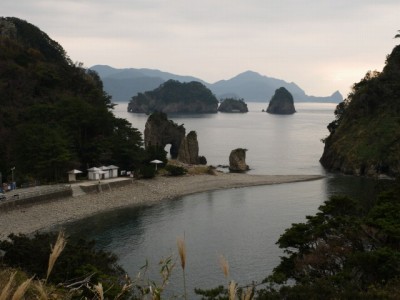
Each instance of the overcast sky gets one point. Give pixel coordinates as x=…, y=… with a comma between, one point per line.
x=322, y=45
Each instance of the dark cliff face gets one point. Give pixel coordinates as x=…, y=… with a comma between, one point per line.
x=231, y=105
x=175, y=97
x=364, y=138
x=281, y=103
x=159, y=131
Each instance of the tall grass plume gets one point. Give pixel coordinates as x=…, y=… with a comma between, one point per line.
x=56, y=251
x=182, y=256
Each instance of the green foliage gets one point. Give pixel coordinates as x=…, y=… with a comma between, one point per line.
x=175, y=170
x=365, y=135
x=218, y=293
x=347, y=250
x=147, y=171
x=155, y=153
x=78, y=261
x=191, y=95
x=55, y=115
x=233, y=105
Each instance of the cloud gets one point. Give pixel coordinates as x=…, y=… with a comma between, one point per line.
x=296, y=40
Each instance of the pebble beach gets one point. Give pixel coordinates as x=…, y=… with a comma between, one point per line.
x=28, y=219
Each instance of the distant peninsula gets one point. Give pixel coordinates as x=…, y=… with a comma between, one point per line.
x=175, y=97
x=124, y=83
x=364, y=138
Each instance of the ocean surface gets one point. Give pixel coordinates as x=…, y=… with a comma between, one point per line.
x=242, y=224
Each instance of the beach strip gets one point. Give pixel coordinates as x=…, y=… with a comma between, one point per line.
x=41, y=216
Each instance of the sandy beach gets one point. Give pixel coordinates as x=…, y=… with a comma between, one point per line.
x=41, y=216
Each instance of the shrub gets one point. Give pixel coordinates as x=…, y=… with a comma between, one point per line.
x=202, y=160
x=175, y=170
x=147, y=171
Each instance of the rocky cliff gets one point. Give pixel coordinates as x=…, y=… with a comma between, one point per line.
x=364, y=138
x=159, y=131
x=189, y=149
x=175, y=97
x=281, y=103
x=237, y=160
x=231, y=105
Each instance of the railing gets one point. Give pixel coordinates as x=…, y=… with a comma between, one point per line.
x=25, y=193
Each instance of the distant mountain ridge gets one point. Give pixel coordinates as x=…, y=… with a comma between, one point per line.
x=123, y=84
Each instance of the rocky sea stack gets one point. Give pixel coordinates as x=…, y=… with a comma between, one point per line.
x=159, y=132
x=237, y=160
x=175, y=97
x=281, y=103
x=231, y=105
x=364, y=138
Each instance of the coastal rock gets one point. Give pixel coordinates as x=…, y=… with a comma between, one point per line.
x=237, y=160
x=281, y=103
x=189, y=149
x=175, y=97
x=364, y=137
x=159, y=131
x=231, y=105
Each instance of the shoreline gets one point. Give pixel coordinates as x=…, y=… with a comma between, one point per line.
x=41, y=216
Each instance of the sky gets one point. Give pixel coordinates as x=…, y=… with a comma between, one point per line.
x=321, y=45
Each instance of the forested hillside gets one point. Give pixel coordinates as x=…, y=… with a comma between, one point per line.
x=54, y=114
x=365, y=136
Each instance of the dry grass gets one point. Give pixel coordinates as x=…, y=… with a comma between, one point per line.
x=194, y=169
x=56, y=251
x=182, y=252
x=8, y=287
x=21, y=290
x=182, y=255
x=98, y=289
x=232, y=288
x=224, y=266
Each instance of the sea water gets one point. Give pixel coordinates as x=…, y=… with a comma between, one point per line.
x=241, y=224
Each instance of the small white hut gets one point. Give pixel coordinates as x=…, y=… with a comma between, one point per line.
x=113, y=170
x=72, y=175
x=94, y=173
x=105, y=174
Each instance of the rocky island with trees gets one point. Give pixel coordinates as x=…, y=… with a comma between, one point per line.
x=232, y=105
x=175, y=97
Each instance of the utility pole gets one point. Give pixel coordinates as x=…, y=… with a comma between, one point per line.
x=12, y=178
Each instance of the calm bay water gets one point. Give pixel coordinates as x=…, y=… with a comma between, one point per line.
x=241, y=224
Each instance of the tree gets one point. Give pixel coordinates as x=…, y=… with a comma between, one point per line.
x=347, y=250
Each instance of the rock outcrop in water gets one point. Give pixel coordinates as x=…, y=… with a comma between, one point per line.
x=231, y=105
x=159, y=131
x=364, y=138
x=281, y=103
x=175, y=97
x=189, y=149
x=237, y=160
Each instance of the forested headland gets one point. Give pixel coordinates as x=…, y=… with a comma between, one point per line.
x=54, y=114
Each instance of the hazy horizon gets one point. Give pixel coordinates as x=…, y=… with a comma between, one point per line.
x=321, y=46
